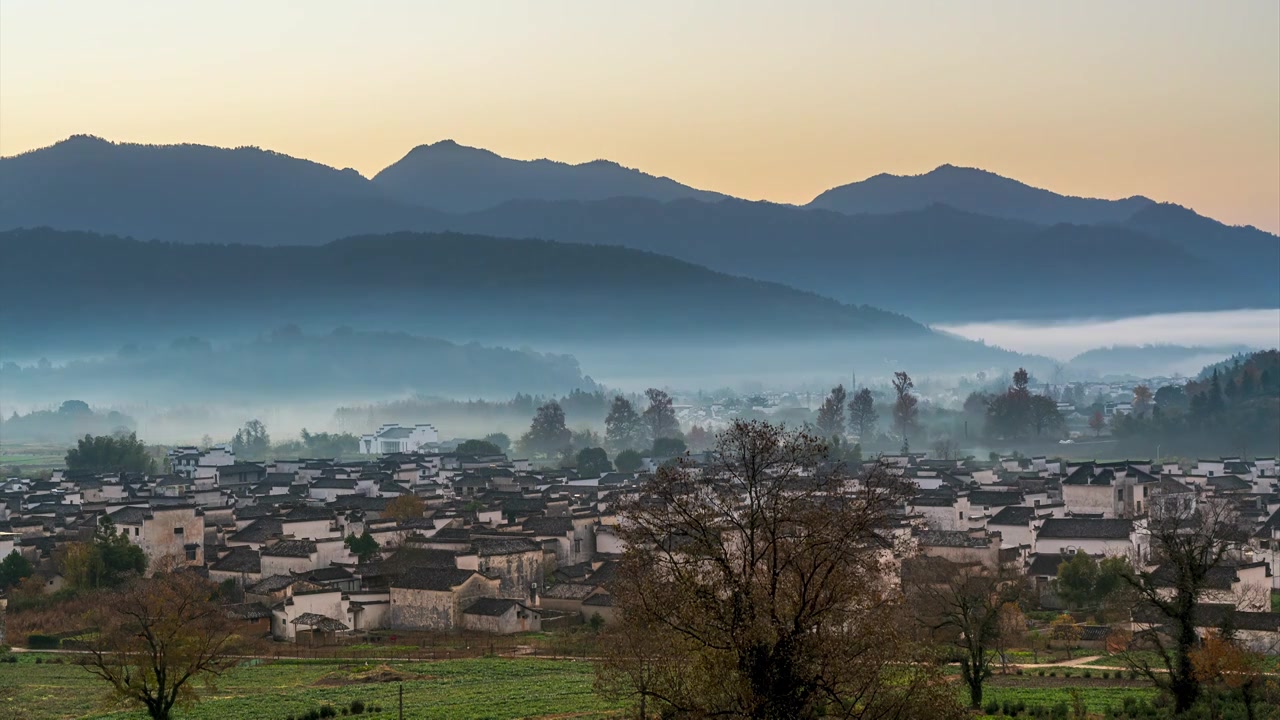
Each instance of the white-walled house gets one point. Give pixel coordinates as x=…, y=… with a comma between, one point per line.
x=172, y=531
x=1096, y=536
x=394, y=438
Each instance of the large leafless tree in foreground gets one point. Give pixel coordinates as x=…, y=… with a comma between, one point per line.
x=764, y=580
x=1188, y=543
x=159, y=640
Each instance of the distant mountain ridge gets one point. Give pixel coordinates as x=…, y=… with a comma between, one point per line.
x=641, y=309
x=456, y=178
x=976, y=191
x=937, y=262
x=1150, y=360
x=193, y=193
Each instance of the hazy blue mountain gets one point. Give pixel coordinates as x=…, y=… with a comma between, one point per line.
x=455, y=178
x=976, y=191
x=938, y=264
x=615, y=309
x=1144, y=361
x=935, y=263
x=287, y=365
x=1205, y=237
x=193, y=193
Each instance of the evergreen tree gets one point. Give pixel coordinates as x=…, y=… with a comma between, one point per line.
x=831, y=414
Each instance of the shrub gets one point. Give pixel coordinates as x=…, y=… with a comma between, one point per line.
x=1053, y=673
x=357, y=707
x=1061, y=711
x=328, y=711
x=43, y=642
x=1040, y=673
x=992, y=707
x=1088, y=674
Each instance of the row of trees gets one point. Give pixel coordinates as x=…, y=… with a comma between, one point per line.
x=1236, y=404
x=862, y=414
x=656, y=431
x=1016, y=413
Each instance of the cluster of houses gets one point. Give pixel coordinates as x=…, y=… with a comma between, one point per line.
x=502, y=547
x=1034, y=514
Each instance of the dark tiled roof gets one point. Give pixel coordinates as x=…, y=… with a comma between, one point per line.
x=568, y=591
x=504, y=546
x=435, y=579
x=329, y=574
x=271, y=583
x=308, y=513
x=557, y=526
x=130, y=515
x=1046, y=564
x=258, y=531
x=316, y=621
x=334, y=484
x=1229, y=483
x=290, y=548
x=953, y=539
x=599, y=600
x=241, y=559
x=1013, y=515
x=1086, y=528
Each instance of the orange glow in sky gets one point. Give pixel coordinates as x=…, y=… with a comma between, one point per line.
x=1174, y=99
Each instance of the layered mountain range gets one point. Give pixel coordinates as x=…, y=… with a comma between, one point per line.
x=954, y=244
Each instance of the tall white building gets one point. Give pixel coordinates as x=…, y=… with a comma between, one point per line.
x=394, y=438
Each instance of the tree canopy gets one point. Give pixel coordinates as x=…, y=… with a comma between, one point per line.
x=763, y=597
x=110, y=453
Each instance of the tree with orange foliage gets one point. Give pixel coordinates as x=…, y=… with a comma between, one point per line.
x=1065, y=629
x=405, y=507
x=1220, y=661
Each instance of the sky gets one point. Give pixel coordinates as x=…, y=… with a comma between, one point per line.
x=1178, y=100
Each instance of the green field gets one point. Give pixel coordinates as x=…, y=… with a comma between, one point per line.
x=476, y=689
x=1098, y=695
x=495, y=689
x=32, y=457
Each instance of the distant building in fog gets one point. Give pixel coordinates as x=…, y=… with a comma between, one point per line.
x=393, y=438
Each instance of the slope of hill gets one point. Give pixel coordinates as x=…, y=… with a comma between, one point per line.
x=455, y=178
x=193, y=193
x=1238, y=246
x=976, y=191
x=1146, y=361
x=288, y=365
x=638, y=310
x=938, y=264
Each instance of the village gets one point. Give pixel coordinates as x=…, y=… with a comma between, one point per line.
x=415, y=536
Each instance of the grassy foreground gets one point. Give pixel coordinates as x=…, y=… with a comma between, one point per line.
x=493, y=689
x=475, y=689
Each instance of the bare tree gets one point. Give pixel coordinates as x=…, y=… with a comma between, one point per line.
x=638, y=661
x=1188, y=542
x=770, y=572
x=960, y=603
x=158, y=639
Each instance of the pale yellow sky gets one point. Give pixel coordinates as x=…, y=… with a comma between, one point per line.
x=1175, y=99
